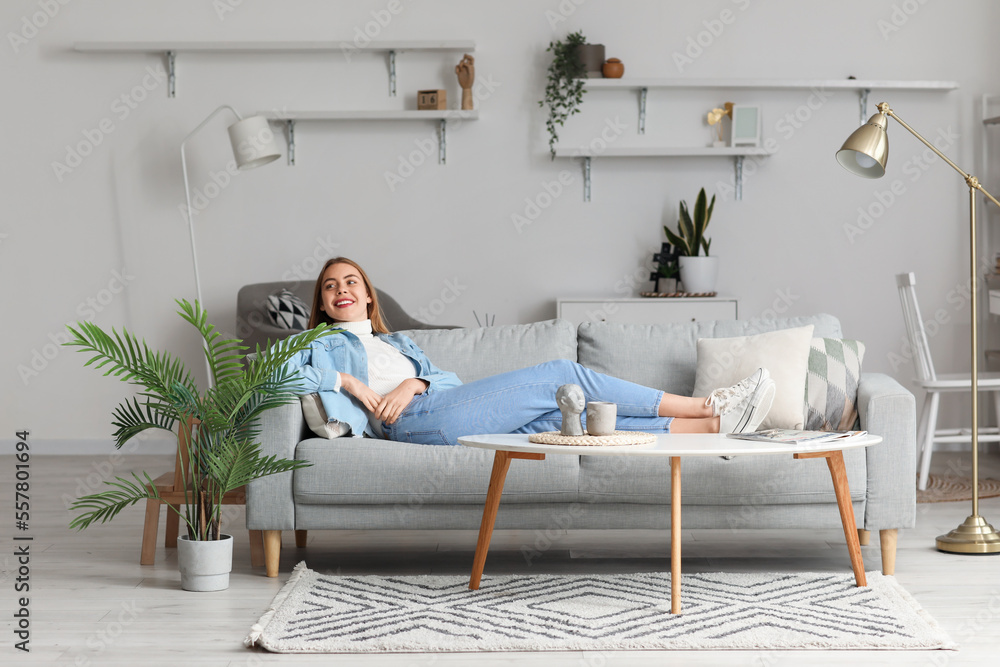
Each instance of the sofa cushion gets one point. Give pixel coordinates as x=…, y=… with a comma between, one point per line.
x=741, y=482
x=832, y=384
x=366, y=471
x=473, y=354
x=723, y=362
x=665, y=356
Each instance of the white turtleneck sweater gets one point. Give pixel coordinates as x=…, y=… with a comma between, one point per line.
x=387, y=367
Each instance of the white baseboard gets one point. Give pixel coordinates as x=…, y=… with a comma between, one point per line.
x=91, y=446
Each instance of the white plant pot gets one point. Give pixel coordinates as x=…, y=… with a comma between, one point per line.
x=698, y=273
x=205, y=565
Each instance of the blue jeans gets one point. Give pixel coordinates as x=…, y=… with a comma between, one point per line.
x=522, y=401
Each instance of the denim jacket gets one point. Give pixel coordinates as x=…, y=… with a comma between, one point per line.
x=317, y=368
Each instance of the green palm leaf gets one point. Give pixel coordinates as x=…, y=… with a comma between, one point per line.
x=106, y=505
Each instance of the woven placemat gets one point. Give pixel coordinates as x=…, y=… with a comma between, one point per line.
x=617, y=438
x=667, y=295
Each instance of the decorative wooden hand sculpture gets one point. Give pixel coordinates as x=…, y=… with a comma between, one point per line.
x=466, y=71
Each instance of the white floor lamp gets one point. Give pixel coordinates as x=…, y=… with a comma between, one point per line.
x=865, y=153
x=253, y=145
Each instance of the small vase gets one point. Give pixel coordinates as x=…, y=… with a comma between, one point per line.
x=698, y=273
x=205, y=564
x=613, y=69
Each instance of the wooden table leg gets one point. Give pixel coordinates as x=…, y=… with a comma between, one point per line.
x=835, y=461
x=501, y=463
x=675, y=535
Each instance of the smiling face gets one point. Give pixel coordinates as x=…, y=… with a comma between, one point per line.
x=343, y=295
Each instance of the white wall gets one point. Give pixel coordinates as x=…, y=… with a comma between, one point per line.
x=66, y=236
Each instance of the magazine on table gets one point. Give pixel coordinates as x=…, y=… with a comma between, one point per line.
x=793, y=436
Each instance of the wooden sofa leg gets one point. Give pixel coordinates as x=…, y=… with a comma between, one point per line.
x=256, y=548
x=272, y=551
x=148, y=554
x=864, y=537
x=887, y=538
x=301, y=536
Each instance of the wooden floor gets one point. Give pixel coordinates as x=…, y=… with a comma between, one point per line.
x=93, y=604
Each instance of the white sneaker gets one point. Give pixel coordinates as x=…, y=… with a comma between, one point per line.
x=733, y=399
x=753, y=413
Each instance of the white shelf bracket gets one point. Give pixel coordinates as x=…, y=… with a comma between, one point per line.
x=290, y=135
x=863, y=101
x=739, y=177
x=443, y=142
x=586, y=179
x=171, y=74
x=642, y=110
x=392, y=73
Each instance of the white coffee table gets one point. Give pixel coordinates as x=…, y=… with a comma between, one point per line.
x=675, y=446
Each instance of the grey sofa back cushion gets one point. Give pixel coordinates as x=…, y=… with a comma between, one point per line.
x=665, y=356
x=477, y=353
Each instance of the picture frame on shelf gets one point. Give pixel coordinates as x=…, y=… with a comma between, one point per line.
x=746, y=125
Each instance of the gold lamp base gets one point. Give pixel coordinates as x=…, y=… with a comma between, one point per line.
x=974, y=536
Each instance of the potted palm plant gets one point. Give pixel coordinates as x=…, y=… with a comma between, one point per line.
x=221, y=451
x=698, y=272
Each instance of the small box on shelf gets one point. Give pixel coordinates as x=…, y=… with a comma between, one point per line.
x=432, y=100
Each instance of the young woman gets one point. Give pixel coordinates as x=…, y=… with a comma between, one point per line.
x=381, y=384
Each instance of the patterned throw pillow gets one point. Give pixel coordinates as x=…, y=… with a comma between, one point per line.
x=832, y=384
x=287, y=311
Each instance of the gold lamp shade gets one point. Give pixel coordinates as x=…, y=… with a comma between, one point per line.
x=867, y=149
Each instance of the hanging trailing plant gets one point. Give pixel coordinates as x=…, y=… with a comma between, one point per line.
x=564, y=89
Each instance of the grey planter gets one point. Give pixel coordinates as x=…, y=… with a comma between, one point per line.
x=205, y=565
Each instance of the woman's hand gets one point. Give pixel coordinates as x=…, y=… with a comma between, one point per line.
x=359, y=390
x=393, y=403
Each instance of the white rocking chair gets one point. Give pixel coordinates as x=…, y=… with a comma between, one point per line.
x=927, y=432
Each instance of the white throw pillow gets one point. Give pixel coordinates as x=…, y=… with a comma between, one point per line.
x=784, y=353
x=316, y=419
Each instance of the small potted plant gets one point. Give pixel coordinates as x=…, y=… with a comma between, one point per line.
x=564, y=88
x=698, y=272
x=222, y=451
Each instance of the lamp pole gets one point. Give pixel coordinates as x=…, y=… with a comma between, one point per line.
x=975, y=535
x=253, y=145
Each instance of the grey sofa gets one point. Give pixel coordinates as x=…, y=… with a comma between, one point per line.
x=358, y=483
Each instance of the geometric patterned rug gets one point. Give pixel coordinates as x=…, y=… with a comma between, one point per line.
x=315, y=613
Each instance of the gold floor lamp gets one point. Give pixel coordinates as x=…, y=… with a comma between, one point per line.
x=865, y=153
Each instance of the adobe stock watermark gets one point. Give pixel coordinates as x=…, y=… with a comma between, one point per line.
x=32, y=24
x=425, y=147
x=363, y=35
x=786, y=126
x=120, y=109
x=224, y=7
x=450, y=293
x=109, y=634
x=562, y=13
x=87, y=310
x=698, y=43
x=914, y=168
x=898, y=17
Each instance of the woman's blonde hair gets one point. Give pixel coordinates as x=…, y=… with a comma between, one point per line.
x=374, y=310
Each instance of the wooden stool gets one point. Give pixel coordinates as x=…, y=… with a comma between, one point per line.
x=170, y=486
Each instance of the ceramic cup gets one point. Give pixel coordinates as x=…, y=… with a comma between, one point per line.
x=601, y=417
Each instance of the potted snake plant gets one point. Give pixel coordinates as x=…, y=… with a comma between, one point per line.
x=697, y=272
x=221, y=451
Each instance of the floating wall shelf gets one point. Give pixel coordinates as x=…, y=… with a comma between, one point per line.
x=290, y=118
x=171, y=49
x=737, y=153
x=863, y=86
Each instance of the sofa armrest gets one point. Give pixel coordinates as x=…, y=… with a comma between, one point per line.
x=887, y=409
x=270, y=500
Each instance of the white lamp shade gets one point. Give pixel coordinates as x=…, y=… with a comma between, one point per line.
x=253, y=142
